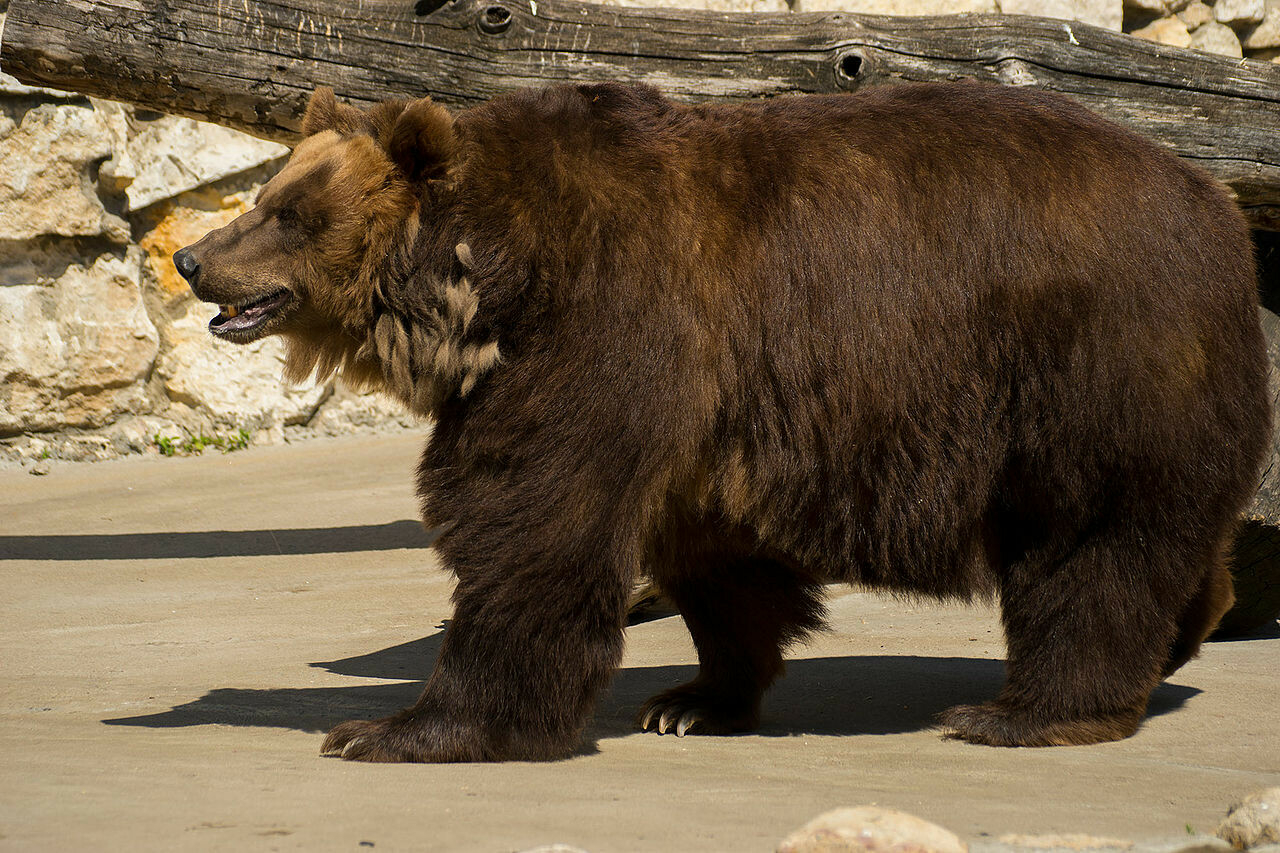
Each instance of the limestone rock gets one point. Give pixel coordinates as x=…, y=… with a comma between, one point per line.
x=1147, y=7
x=76, y=343
x=897, y=7
x=1101, y=13
x=346, y=412
x=1196, y=15
x=161, y=158
x=1214, y=37
x=86, y=448
x=46, y=186
x=870, y=829
x=709, y=5
x=1239, y=13
x=1254, y=821
x=1165, y=31
x=1267, y=33
x=180, y=222
x=238, y=386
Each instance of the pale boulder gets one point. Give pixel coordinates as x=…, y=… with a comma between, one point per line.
x=870, y=829
x=1266, y=34
x=897, y=7
x=46, y=185
x=175, y=223
x=1196, y=15
x=238, y=386
x=347, y=412
x=1239, y=13
x=1100, y=13
x=1254, y=821
x=1147, y=7
x=1214, y=37
x=709, y=5
x=1169, y=31
x=165, y=157
x=76, y=343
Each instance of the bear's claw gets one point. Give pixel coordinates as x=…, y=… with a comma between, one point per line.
x=683, y=711
x=671, y=719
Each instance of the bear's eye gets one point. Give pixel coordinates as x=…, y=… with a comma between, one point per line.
x=305, y=220
x=289, y=217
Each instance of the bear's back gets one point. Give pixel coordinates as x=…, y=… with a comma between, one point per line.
x=899, y=302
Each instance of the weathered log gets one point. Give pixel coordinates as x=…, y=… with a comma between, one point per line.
x=251, y=64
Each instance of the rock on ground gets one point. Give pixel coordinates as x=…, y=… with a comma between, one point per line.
x=870, y=829
x=1254, y=821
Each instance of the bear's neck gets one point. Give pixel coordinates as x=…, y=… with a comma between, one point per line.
x=419, y=346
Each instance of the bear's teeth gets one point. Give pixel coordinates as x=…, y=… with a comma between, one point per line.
x=230, y=311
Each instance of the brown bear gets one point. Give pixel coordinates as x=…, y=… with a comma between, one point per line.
x=945, y=340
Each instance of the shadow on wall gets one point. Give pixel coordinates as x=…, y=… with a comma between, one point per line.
x=876, y=694
x=219, y=543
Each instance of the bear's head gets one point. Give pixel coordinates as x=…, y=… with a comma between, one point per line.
x=306, y=261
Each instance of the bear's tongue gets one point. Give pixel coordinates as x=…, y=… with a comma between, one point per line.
x=232, y=319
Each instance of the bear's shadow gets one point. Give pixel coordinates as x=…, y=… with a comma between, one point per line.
x=873, y=694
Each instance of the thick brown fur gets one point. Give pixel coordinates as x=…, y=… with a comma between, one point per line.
x=943, y=340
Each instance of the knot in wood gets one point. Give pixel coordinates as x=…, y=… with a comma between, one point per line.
x=495, y=19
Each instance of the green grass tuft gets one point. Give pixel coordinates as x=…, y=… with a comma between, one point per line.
x=198, y=443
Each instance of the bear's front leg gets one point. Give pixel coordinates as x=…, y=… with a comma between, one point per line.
x=544, y=572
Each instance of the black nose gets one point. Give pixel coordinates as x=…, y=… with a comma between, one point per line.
x=186, y=263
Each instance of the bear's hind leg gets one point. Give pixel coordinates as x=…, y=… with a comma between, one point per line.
x=1210, y=603
x=1089, y=635
x=741, y=613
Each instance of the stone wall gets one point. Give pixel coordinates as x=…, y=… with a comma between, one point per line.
x=102, y=347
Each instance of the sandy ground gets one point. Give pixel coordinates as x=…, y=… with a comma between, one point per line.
x=176, y=634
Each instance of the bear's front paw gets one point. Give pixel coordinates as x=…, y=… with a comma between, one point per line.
x=690, y=710
x=1003, y=724
x=404, y=737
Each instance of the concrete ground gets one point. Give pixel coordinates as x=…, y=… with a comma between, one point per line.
x=176, y=634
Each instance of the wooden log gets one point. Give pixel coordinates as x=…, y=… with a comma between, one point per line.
x=251, y=64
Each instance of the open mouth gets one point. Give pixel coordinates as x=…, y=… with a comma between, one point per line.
x=246, y=322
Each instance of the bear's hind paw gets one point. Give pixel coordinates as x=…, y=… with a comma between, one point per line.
x=998, y=724
x=401, y=739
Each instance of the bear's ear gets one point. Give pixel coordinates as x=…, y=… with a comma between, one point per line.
x=422, y=141
x=325, y=112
